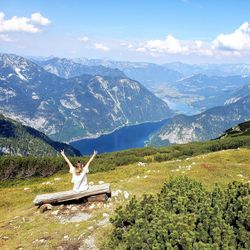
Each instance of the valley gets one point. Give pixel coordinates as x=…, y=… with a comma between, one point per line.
x=71, y=99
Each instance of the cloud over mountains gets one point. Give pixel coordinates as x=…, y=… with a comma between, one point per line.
x=238, y=40
x=24, y=24
x=233, y=44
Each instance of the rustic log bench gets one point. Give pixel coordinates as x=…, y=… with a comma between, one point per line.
x=93, y=193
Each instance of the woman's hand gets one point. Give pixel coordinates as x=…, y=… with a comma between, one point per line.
x=95, y=153
x=62, y=152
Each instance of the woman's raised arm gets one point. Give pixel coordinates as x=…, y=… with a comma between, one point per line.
x=66, y=158
x=91, y=159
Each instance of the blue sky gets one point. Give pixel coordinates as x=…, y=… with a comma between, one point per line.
x=140, y=30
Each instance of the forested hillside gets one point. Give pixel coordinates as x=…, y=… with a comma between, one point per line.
x=238, y=130
x=16, y=139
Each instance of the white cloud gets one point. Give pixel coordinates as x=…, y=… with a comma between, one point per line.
x=141, y=49
x=128, y=45
x=224, y=45
x=24, y=24
x=5, y=38
x=170, y=45
x=38, y=18
x=83, y=39
x=238, y=40
x=100, y=46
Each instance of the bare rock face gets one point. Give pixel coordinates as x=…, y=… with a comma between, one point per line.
x=45, y=207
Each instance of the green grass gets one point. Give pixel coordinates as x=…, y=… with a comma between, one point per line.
x=218, y=167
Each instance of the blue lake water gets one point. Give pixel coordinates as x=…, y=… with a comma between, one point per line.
x=127, y=137
x=180, y=107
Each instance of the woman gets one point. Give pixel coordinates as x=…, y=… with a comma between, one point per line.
x=79, y=172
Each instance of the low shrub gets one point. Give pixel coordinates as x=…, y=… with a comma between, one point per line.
x=185, y=216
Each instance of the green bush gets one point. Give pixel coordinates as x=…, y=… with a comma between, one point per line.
x=14, y=167
x=185, y=216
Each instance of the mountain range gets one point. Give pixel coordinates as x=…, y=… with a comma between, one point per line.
x=67, y=68
x=210, y=69
x=82, y=106
x=187, y=89
x=69, y=99
x=183, y=69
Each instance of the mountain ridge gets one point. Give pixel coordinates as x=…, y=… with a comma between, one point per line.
x=205, y=126
x=17, y=139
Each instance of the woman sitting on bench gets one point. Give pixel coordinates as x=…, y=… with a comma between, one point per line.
x=79, y=172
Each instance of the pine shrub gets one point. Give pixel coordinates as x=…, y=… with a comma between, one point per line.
x=185, y=216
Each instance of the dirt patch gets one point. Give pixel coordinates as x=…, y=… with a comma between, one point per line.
x=68, y=246
x=209, y=167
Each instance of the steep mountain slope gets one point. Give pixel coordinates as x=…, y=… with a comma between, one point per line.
x=16, y=139
x=207, y=125
x=67, y=68
x=241, y=129
x=66, y=109
x=239, y=94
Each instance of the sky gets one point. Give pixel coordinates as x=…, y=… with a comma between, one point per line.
x=159, y=31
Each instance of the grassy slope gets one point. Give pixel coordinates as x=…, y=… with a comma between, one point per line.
x=219, y=167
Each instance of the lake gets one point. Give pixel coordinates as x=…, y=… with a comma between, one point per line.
x=127, y=137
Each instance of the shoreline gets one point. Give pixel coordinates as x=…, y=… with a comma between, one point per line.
x=95, y=136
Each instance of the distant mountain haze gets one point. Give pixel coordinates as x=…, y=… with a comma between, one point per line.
x=67, y=68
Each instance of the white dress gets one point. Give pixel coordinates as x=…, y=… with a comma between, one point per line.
x=79, y=181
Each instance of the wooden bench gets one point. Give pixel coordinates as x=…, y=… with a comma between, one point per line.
x=93, y=193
